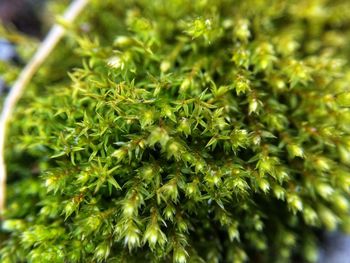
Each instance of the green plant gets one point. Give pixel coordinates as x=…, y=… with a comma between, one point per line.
x=202, y=131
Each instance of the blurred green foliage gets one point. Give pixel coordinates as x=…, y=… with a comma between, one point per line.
x=184, y=131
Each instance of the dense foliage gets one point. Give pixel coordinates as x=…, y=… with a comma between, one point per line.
x=187, y=131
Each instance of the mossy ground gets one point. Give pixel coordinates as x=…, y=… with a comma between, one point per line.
x=203, y=131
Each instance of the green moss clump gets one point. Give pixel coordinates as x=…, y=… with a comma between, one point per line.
x=189, y=131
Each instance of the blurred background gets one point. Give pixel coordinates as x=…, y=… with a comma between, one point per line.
x=25, y=16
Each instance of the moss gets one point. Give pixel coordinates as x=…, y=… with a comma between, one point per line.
x=186, y=132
